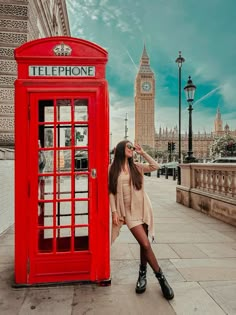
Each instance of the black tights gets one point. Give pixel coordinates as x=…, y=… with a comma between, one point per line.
x=140, y=232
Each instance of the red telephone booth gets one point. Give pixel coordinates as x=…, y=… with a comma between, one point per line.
x=61, y=162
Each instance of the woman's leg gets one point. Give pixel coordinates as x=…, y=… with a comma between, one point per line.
x=142, y=278
x=143, y=260
x=141, y=236
x=146, y=249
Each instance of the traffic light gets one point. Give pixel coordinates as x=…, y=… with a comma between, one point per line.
x=173, y=146
x=169, y=146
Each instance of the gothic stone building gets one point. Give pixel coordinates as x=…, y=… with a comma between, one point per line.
x=22, y=21
x=201, y=141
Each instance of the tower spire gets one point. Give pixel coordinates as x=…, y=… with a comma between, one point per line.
x=144, y=62
x=218, y=122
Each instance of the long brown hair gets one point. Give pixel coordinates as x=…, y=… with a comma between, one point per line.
x=116, y=167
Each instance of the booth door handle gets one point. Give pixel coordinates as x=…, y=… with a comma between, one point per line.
x=93, y=173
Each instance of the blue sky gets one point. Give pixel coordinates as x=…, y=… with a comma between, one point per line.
x=205, y=32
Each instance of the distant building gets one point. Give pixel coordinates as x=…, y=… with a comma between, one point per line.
x=22, y=21
x=201, y=140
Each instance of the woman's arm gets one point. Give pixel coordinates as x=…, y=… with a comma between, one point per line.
x=112, y=202
x=115, y=218
x=152, y=164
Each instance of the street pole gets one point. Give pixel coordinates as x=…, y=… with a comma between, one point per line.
x=190, y=89
x=126, y=127
x=190, y=133
x=180, y=60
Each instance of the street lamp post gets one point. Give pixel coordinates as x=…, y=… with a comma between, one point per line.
x=190, y=89
x=180, y=60
x=126, y=127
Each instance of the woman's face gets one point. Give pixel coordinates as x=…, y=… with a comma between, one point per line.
x=129, y=148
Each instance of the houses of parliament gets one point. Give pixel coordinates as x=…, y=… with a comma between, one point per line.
x=147, y=135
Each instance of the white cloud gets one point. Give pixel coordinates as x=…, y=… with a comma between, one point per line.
x=119, y=107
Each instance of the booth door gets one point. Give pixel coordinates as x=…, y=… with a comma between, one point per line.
x=62, y=187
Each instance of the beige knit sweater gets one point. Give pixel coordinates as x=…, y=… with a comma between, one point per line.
x=141, y=207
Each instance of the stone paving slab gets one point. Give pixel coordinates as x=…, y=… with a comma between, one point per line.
x=121, y=251
x=206, y=269
x=219, y=226
x=191, y=299
x=11, y=300
x=174, y=220
x=47, y=301
x=191, y=237
x=231, y=234
x=188, y=251
x=119, y=299
x=224, y=293
x=218, y=250
x=162, y=251
x=177, y=227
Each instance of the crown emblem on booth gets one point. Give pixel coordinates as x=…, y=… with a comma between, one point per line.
x=62, y=50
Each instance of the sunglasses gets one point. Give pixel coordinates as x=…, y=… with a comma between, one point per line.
x=130, y=146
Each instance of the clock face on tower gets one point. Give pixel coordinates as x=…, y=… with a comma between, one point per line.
x=146, y=86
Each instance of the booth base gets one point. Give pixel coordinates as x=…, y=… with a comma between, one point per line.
x=102, y=283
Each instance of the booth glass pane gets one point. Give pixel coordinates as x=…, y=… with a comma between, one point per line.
x=81, y=186
x=48, y=113
x=63, y=161
x=63, y=187
x=63, y=237
x=45, y=240
x=80, y=110
x=45, y=214
x=63, y=213
x=41, y=161
x=81, y=135
x=63, y=136
x=81, y=212
x=41, y=188
x=63, y=110
x=48, y=166
x=81, y=239
x=45, y=111
x=81, y=160
x=45, y=188
x=48, y=221
x=66, y=140
x=48, y=137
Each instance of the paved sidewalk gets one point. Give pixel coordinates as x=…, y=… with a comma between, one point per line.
x=196, y=252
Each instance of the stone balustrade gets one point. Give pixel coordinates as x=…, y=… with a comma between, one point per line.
x=209, y=188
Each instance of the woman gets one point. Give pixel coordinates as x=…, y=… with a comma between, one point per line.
x=131, y=205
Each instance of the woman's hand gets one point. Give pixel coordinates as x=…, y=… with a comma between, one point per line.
x=138, y=149
x=115, y=218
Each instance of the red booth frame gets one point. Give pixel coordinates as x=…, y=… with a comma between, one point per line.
x=32, y=267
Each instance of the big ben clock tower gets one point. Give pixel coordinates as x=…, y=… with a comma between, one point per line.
x=144, y=103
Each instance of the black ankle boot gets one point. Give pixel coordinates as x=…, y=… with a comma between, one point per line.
x=142, y=280
x=165, y=287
